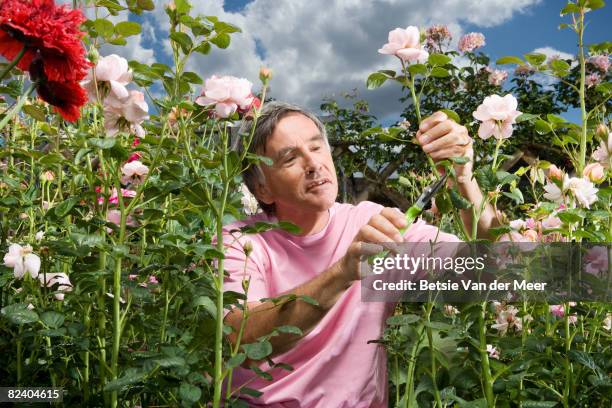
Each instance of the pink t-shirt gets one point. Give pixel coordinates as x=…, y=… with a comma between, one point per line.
x=333, y=365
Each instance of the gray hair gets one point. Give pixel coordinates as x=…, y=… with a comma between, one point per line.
x=271, y=114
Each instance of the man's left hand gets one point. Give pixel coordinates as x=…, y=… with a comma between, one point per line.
x=443, y=138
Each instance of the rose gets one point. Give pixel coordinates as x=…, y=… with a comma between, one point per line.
x=594, y=172
x=22, y=260
x=405, y=44
x=126, y=114
x=602, y=153
x=497, y=115
x=227, y=93
x=471, y=41
x=50, y=279
x=133, y=172
x=112, y=74
x=596, y=259
x=554, y=173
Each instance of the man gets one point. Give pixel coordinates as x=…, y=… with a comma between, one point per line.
x=333, y=364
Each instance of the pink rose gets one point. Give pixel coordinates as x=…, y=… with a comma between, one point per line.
x=114, y=216
x=602, y=153
x=471, y=41
x=227, y=93
x=406, y=45
x=492, y=351
x=554, y=173
x=496, y=76
x=22, y=260
x=114, y=197
x=497, y=115
x=112, y=74
x=126, y=114
x=437, y=36
x=551, y=222
x=61, y=279
x=592, y=79
x=596, y=260
x=557, y=310
x=602, y=62
x=133, y=172
x=594, y=172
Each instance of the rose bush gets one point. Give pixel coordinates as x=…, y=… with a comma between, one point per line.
x=111, y=285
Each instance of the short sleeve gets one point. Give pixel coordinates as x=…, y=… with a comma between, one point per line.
x=238, y=267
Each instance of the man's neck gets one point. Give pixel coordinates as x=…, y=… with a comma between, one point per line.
x=309, y=222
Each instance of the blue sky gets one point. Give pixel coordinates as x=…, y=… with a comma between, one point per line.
x=323, y=48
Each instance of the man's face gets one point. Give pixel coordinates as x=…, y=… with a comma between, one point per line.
x=303, y=177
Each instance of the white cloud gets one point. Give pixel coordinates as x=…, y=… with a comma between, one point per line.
x=321, y=48
x=551, y=52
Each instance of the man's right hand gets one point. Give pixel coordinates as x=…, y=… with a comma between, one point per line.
x=382, y=228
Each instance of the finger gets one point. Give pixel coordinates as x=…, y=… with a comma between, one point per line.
x=369, y=233
x=369, y=249
x=441, y=143
x=385, y=226
x=394, y=215
x=439, y=130
x=432, y=121
x=455, y=151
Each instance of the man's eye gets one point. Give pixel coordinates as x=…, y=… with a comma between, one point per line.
x=289, y=159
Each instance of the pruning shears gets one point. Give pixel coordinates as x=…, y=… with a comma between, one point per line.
x=423, y=202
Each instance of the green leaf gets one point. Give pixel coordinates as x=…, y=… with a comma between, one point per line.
x=192, y=77
x=259, y=350
x=570, y=8
x=236, y=360
x=516, y=195
x=509, y=59
x=127, y=28
x=203, y=47
x=375, y=80
x=103, y=27
x=595, y=4
x=221, y=40
x=535, y=58
x=458, y=200
x=555, y=120
x=223, y=27
x=52, y=319
x=207, y=303
x=189, y=393
x=131, y=377
x=402, y=320
x=438, y=59
x=559, y=65
x=36, y=112
x=526, y=117
x=19, y=313
x=416, y=69
x=452, y=115
x=182, y=6
x=183, y=40
x=147, y=5
x=439, y=72
x=539, y=404
x=542, y=127
x=570, y=216
x=103, y=143
x=65, y=206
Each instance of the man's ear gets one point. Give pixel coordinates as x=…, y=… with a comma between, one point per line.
x=263, y=194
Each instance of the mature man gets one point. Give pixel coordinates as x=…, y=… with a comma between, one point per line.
x=333, y=364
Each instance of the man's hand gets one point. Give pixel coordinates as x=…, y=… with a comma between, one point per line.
x=382, y=228
x=443, y=138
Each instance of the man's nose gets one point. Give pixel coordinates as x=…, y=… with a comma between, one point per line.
x=312, y=163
